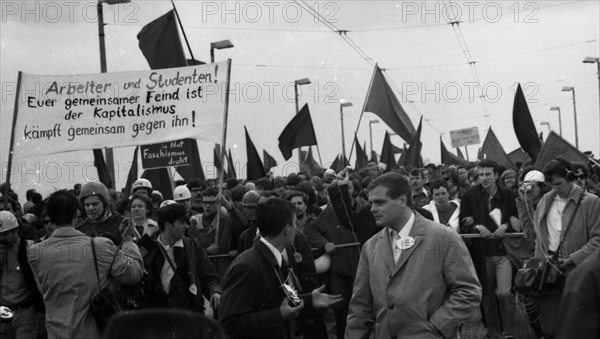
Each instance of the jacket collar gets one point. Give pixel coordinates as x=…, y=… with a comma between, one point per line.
x=384, y=247
x=65, y=232
x=265, y=252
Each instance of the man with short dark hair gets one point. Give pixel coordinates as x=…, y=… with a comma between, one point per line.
x=300, y=202
x=420, y=195
x=415, y=278
x=259, y=287
x=179, y=270
x=493, y=267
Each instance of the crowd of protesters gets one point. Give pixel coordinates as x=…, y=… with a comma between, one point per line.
x=324, y=256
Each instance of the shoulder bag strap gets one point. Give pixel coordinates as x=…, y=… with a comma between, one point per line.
x=96, y=263
x=167, y=258
x=564, y=233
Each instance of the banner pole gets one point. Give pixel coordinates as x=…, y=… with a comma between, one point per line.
x=362, y=111
x=183, y=32
x=223, y=148
x=12, y=138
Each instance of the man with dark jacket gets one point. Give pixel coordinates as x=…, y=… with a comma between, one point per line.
x=260, y=291
x=179, y=270
x=100, y=220
x=325, y=233
x=489, y=256
x=18, y=290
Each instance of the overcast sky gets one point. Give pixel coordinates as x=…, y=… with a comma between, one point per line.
x=540, y=44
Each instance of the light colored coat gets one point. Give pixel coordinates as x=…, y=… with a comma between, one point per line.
x=64, y=267
x=583, y=238
x=430, y=291
x=454, y=220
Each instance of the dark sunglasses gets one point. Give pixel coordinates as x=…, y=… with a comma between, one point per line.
x=47, y=222
x=580, y=177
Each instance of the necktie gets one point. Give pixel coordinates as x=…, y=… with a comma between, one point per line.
x=396, y=246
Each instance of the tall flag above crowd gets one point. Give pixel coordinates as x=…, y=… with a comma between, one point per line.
x=298, y=132
x=268, y=161
x=387, y=153
x=255, y=168
x=361, y=156
x=160, y=43
x=412, y=156
x=382, y=101
x=492, y=149
x=448, y=158
x=524, y=126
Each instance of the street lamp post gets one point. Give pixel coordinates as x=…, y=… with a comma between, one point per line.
x=223, y=44
x=299, y=82
x=342, y=105
x=592, y=60
x=572, y=90
x=371, y=132
x=556, y=108
x=110, y=160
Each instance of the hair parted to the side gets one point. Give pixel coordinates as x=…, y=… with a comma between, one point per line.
x=397, y=185
x=62, y=207
x=273, y=214
x=170, y=213
x=489, y=164
x=560, y=167
x=145, y=200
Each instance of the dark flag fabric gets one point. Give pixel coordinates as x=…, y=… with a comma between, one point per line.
x=519, y=156
x=268, y=161
x=361, y=157
x=397, y=150
x=298, y=132
x=412, y=157
x=373, y=157
x=132, y=176
x=100, y=164
x=194, y=169
x=310, y=165
x=230, y=167
x=336, y=164
x=255, y=169
x=217, y=157
x=524, y=126
x=448, y=158
x=387, y=153
x=160, y=43
x=492, y=149
x=555, y=146
x=161, y=181
x=382, y=101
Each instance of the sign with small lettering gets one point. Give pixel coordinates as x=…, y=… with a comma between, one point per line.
x=465, y=137
x=172, y=153
x=77, y=112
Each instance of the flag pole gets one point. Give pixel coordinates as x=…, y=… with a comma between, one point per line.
x=319, y=153
x=184, y=35
x=223, y=147
x=12, y=139
x=363, y=110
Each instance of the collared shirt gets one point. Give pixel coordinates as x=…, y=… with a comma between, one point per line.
x=395, y=236
x=275, y=251
x=13, y=287
x=149, y=227
x=554, y=221
x=167, y=273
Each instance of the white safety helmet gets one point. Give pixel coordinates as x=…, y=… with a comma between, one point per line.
x=181, y=193
x=8, y=221
x=323, y=263
x=534, y=176
x=142, y=183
